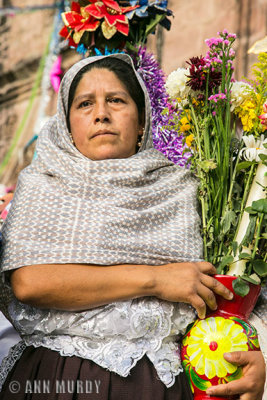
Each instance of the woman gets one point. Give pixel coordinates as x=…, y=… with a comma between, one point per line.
x=102, y=249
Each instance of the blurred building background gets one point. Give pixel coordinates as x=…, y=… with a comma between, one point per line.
x=24, y=39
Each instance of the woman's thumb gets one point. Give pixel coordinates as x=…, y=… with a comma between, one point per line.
x=237, y=357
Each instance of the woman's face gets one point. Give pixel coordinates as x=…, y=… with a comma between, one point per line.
x=104, y=119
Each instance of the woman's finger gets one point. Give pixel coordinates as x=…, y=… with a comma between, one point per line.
x=242, y=387
x=199, y=305
x=208, y=296
x=229, y=389
x=206, y=267
x=216, y=286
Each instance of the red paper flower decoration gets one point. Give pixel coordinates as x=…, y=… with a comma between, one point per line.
x=77, y=21
x=88, y=18
x=113, y=14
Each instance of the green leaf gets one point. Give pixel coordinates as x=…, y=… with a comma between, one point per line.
x=250, y=232
x=244, y=165
x=244, y=255
x=263, y=157
x=131, y=48
x=249, y=279
x=250, y=210
x=153, y=23
x=201, y=384
x=228, y=220
x=260, y=206
x=265, y=145
x=260, y=267
x=226, y=260
x=240, y=287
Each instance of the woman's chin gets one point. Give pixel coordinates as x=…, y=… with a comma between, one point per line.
x=109, y=152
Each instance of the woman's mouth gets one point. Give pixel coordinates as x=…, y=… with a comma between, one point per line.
x=103, y=133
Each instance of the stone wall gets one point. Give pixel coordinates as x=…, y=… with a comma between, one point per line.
x=194, y=21
x=23, y=39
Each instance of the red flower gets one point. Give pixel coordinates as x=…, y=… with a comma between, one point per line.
x=199, y=74
x=113, y=14
x=77, y=21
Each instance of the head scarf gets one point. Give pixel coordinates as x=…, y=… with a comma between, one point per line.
x=70, y=209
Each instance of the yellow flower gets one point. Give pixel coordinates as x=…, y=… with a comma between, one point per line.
x=209, y=339
x=189, y=139
x=185, y=126
x=247, y=113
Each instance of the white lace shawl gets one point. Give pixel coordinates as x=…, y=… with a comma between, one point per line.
x=115, y=336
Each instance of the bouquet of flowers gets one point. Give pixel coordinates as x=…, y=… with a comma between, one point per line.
x=223, y=124
x=102, y=26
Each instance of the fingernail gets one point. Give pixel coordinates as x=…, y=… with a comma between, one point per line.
x=231, y=296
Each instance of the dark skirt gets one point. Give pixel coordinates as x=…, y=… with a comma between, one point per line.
x=42, y=374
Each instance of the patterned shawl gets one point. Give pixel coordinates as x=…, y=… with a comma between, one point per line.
x=70, y=209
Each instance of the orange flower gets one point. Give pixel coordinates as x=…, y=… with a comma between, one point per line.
x=189, y=139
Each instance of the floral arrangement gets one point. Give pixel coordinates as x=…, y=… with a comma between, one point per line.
x=224, y=125
x=109, y=24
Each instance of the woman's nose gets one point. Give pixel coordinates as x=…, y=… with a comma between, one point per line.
x=102, y=113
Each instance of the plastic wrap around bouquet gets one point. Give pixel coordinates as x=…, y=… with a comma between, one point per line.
x=225, y=330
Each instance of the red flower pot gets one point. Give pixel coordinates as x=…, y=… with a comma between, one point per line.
x=224, y=330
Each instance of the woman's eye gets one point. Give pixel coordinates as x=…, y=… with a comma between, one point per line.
x=85, y=103
x=115, y=100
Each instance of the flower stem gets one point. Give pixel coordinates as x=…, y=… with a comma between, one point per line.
x=257, y=236
x=202, y=178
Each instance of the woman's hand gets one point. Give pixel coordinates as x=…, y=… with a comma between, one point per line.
x=251, y=385
x=76, y=287
x=190, y=283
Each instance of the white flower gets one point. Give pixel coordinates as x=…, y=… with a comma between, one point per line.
x=253, y=148
x=176, y=83
x=240, y=91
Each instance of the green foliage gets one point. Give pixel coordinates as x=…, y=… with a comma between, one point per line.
x=260, y=267
x=260, y=72
x=260, y=206
x=240, y=287
x=226, y=260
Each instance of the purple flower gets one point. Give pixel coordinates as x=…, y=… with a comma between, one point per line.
x=165, y=140
x=216, y=97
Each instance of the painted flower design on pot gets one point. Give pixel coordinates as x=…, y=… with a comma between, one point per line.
x=209, y=339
